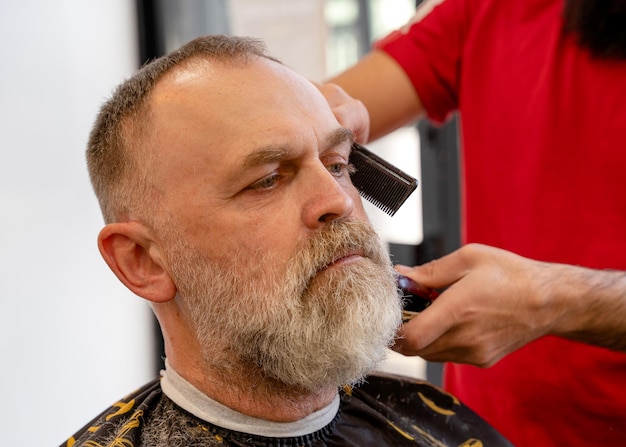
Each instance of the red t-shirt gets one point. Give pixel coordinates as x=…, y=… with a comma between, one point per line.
x=543, y=128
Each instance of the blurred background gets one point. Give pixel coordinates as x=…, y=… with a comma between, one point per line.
x=73, y=340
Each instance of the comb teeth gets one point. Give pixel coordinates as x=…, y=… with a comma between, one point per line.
x=380, y=182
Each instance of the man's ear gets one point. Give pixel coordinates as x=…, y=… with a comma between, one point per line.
x=131, y=251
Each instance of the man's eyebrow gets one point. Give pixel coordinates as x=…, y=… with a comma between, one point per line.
x=273, y=154
x=264, y=156
x=339, y=136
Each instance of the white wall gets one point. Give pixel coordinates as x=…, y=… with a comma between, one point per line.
x=72, y=339
x=293, y=30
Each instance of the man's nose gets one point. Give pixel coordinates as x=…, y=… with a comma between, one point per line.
x=328, y=200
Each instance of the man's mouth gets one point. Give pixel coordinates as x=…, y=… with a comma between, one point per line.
x=345, y=259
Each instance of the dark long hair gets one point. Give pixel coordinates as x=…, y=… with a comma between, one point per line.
x=599, y=25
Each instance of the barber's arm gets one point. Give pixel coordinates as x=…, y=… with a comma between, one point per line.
x=379, y=83
x=496, y=302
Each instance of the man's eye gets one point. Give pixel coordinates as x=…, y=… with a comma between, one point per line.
x=339, y=169
x=266, y=182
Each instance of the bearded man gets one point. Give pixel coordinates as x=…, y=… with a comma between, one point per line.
x=224, y=181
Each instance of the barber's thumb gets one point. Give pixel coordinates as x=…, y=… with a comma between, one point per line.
x=403, y=269
x=424, y=274
x=411, y=272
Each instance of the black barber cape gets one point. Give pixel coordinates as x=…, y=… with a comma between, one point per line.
x=386, y=410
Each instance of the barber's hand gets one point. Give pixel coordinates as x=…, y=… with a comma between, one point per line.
x=351, y=113
x=493, y=304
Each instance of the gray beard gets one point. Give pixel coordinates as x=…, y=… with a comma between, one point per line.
x=304, y=328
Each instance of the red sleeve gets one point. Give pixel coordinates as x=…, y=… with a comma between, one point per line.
x=430, y=49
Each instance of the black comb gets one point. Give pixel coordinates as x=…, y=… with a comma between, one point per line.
x=380, y=182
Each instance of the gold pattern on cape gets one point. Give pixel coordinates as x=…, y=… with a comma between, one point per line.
x=121, y=440
x=472, y=443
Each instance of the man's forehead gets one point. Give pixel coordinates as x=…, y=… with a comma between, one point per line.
x=193, y=73
x=203, y=107
x=221, y=85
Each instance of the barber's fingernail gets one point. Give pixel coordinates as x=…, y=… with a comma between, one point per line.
x=405, y=283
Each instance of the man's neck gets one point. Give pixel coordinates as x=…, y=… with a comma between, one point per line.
x=249, y=393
